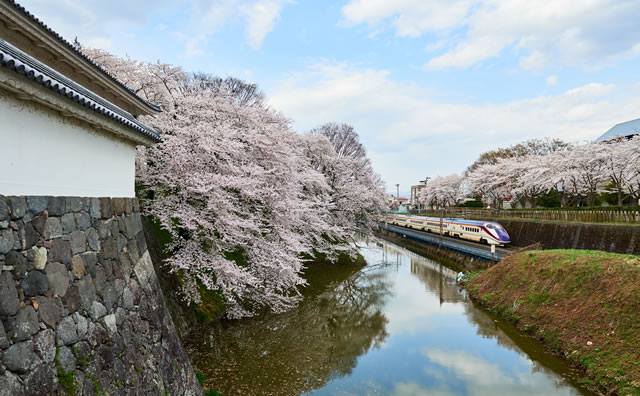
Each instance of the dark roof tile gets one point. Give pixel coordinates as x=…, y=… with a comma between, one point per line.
x=22, y=63
x=61, y=39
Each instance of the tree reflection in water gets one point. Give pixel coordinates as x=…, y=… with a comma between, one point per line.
x=300, y=350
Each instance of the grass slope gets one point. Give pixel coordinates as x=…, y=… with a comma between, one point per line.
x=584, y=305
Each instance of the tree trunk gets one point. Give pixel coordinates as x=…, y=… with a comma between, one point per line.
x=620, y=197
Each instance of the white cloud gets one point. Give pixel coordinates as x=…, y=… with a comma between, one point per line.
x=482, y=377
x=92, y=20
x=259, y=17
x=586, y=32
x=552, y=80
x=409, y=135
x=410, y=18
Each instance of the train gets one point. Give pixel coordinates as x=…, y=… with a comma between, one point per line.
x=486, y=232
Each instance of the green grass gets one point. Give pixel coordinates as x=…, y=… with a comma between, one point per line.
x=201, y=378
x=66, y=379
x=581, y=304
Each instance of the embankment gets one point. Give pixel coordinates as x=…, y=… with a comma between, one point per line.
x=555, y=235
x=581, y=304
x=455, y=260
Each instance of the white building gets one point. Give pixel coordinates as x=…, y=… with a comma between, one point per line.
x=67, y=128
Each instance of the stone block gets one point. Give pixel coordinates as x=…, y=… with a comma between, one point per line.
x=78, y=266
x=111, y=324
x=18, y=207
x=87, y=292
x=58, y=278
x=127, y=299
x=57, y=206
x=41, y=380
x=19, y=357
x=31, y=236
x=4, y=340
x=4, y=208
x=60, y=251
x=17, y=241
x=9, y=302
x=10, y=385
x=49, y=310
x=25, y=325
x=119, y=206
x=133, y=251
x=94, y=208
x=67, y=359
x=106, y=208
x=93, y=239
x=39, y=223
x=110, y=248
x=144, y=269
x=74, y=204
x=86, y=202
x=90, y=261
x=78, y=242
x=72, y=299
x=37, y=204
x=39, y=258
x=142, y=242
x=35, y=283
x=83, y=221
x=82, y=324
x=68, y=223
x=128, y=205
x=109, y=296
x=121, y=242
x=44, y=344
x=67, y=332
x=132, y=225
x=19, y=263
x=104, y=228
x=97, y=311
x=7, y=240
x=53, y=228
x=136, y=205
x=100, y=279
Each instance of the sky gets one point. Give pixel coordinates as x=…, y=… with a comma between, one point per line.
x=428, y=84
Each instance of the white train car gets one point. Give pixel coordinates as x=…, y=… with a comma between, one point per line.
x=488, y=232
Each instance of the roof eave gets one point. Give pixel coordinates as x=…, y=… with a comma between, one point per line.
x=54, y=42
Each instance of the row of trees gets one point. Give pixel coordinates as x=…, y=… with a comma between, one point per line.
x=525, y=172
x=244, y=197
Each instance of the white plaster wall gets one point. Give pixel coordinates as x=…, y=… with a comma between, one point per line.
x=41, y=153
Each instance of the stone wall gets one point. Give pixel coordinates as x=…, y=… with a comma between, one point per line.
x=81, y=309
x=555, y=235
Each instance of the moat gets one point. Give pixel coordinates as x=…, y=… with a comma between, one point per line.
x=398, y=326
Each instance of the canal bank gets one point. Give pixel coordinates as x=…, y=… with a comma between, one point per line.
x=400, y=325
x=582, y=305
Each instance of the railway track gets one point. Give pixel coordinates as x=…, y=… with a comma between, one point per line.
x=467, y=247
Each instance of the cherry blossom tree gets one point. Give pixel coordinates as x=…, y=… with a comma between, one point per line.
x=244, y=198
x=632, y=154
x=443, y=191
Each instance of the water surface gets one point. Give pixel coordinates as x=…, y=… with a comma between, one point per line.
x=399, y=326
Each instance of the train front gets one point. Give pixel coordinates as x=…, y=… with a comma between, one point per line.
x=497, y=231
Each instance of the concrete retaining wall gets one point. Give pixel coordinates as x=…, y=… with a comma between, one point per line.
x=554, y=235
x=453, y=259
x=80, y=301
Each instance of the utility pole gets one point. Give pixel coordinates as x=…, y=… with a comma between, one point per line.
x=426, y=180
